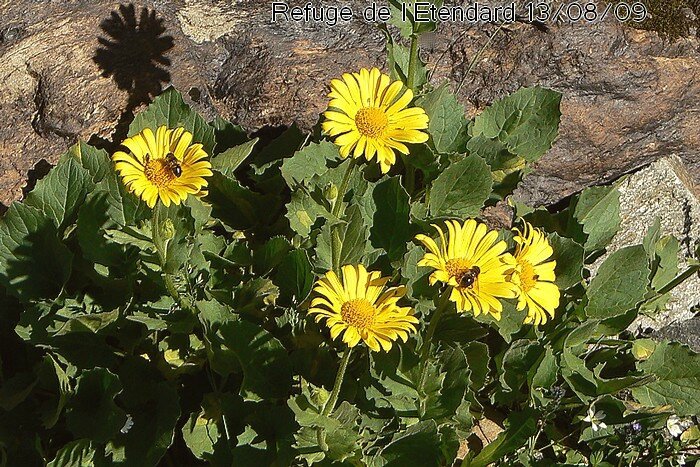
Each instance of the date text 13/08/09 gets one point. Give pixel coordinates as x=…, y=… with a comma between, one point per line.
x=545, y=12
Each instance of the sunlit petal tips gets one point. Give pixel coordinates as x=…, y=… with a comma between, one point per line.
x=368, y=116
x=534, y=275
x=164, y=166
x=470, y=260
x=361, y=308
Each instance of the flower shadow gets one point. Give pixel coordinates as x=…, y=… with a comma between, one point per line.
x=133, y=54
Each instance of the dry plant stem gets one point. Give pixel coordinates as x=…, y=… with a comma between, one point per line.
x=336, y=241
x=333, y=399
x=432, y=326
x=477, y=56
x=160, y=249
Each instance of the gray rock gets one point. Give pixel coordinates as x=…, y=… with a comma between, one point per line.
x=687, y=332
x=665, y=191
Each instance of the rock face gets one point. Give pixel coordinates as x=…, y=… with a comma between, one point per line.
x=664, y=191
x=78, y=69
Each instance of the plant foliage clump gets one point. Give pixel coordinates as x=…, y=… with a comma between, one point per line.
x=133, y=335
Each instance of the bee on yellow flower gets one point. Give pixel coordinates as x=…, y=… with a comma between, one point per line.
x=474, y=263
x=369, y=116
x=163, y=166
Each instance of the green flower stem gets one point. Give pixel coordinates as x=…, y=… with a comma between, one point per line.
x=336, y=242
x=432, y=326
x=412, y=62
x=410, y=177
x=409, y=180
x=160, y=249
x=679, y=279
x=333, y=399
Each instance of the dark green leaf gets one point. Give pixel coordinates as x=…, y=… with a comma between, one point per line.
x=77, y=453
x=154, y=407
x=92, y=413
x=399, y=57
x=270, y=255
x=620, y=284
x=461, y=189
x=295, y=276
x=51, y=367
x=652, y=236
x=267, y=371
x=677, y=372
x=34, y=264
x=15, y=390
x=527, y=121
x=60, y=194
x=598, y=210
x=546, y=374
x=308, y=162
x=667, y=250
x=96, y=161
x=303, y=212
x=569, y=257
x=353, y=237
x=391, y=229
x=227, y=134
x=228, y=161
x=510, y=323
x=443, y=404
x=237, y=206
x=419, y=444
x=447, y=125
x=200, y=434
x=283, y=146
x=477, y=354
x=519, y=360
x=170, y=110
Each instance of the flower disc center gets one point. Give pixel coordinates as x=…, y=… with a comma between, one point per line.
x=528, y=278
x=158, y=172
x=358, y=312
x=458, y=268
x=371, y=121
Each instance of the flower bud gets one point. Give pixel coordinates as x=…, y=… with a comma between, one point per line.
x=167, y=229
x=331, y=192
x=319, y=397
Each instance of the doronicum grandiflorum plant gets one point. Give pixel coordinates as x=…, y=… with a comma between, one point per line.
x=196, y=297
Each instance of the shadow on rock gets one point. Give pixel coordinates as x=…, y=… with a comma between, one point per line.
x=133, y=55
x=36, y=173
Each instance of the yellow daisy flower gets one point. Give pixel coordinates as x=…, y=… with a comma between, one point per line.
x=368, y=114
x=165, y=166
x=362, y=308
x=534, y=275
x=471, y=261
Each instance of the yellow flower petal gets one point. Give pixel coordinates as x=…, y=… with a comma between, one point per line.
x=534, y=275
x=368, y=116
x=361, y=309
